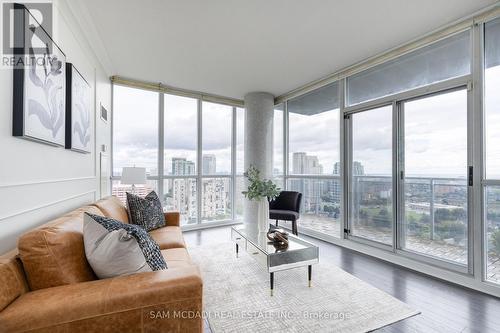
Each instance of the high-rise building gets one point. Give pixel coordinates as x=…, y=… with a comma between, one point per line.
x=215, y=199
x=183, y=198
x=311, y=189
x=181, y=166
x=298, y=163
x=209, y=164
x=357, y=168
x=304, y=164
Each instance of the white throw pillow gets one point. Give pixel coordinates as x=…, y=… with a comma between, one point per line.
x=113, y=253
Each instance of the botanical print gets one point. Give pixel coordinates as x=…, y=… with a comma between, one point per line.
x=44, y=97
x=80, y=112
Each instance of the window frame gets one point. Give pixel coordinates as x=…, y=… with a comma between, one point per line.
x=199, y=176
x=287, y=175
x=348, y=123
x=397, y=100
x=481, y=177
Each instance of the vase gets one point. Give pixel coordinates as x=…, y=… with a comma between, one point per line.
x=263, y=215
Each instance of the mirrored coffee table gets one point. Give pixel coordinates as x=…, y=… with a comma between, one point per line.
x=299, y=253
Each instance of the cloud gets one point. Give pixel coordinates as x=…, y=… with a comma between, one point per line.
x=435, y=132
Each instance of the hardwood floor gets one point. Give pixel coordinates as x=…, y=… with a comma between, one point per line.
x=445, y=307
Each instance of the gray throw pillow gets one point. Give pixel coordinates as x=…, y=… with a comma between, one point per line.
x=146, y=212
x=113, y=248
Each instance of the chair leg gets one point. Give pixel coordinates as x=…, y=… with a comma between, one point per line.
x=294, y=228
x=276, y=222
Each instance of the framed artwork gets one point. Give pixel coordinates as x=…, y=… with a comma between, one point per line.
x=39, y=96
x=78, y=111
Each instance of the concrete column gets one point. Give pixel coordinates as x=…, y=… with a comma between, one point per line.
x=259, y=109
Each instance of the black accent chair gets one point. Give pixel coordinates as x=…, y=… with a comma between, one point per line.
x=286, y=207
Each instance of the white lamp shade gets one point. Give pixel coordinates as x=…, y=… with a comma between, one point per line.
x=133, y=176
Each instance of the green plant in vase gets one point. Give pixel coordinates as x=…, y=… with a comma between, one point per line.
x=259, y=188
x=262, y=191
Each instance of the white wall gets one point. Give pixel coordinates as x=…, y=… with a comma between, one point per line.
x=39, y=182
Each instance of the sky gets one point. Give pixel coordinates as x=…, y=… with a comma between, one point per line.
x=435, y=133
x=135, y=130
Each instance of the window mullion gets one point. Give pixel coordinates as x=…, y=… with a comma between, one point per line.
x=342, y=140
x=161, y=143
x=232, y=194
x=477, y=218
x=199, y=163
x=397, y=182
x=285, y=145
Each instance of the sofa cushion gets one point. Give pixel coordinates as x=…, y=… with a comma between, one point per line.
x=177, y=257
x=54, y=254
x=146, y=212
x=114, y=248
x=112, y=207
x=12, y=281
x=168, y=237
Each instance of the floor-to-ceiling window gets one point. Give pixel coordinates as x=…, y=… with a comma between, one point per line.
x=408, y=143
x=435, y=176
x=199, y=170
x=491, y=174
x=314, y=158
x=216, y=201
x=371, y=195
x=406, y=154
x=180, y=133
x=135, y=137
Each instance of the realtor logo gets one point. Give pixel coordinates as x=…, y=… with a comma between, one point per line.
x=26, y=28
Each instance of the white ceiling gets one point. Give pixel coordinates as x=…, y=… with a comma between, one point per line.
x=231, y=47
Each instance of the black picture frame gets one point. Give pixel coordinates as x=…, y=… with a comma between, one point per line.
x=78, y=111
x=31, y=120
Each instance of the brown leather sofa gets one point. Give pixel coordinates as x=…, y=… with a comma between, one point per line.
x=47, y=285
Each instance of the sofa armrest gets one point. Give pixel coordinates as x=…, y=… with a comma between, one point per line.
x=144, y=302
x=172, y=219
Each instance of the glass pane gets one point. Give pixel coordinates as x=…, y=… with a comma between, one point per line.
x=135, y=129
x=492, y=99
x=493, y=233
x=181, y=135
x=437, y=62
x=216, y=135
x=216, y=199
x=240, y=140
x=239, y=198
x=320, y=208
x=435, y=176
x=314, y=133
x=371, y=204
x=278, y=140
x=180, y=196
x=279, y=182
x=119, y=190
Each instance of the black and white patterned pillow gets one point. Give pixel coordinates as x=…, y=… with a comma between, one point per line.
x=146, y=212
x=148, y=246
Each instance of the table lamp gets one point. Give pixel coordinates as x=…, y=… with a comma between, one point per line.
x=133, y=176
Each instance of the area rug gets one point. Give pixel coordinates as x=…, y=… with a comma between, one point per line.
x=237, y=297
